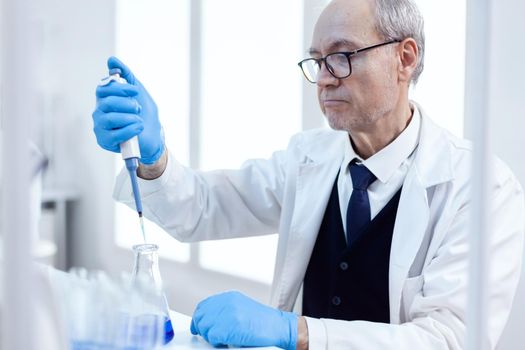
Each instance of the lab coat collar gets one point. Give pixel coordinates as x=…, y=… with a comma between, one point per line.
x=431, y=170
x=324, y=147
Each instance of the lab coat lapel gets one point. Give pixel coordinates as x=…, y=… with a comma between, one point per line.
x=411, y=223
x=315, y=179
x=413, y=213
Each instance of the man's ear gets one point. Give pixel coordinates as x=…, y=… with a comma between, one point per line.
x=408, y=57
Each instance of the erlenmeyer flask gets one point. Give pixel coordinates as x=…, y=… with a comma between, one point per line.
x=146, y=279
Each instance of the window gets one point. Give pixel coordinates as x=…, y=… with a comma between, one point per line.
x=440, y=90
x=152, y=39
x=251, y=105
x=250, y=100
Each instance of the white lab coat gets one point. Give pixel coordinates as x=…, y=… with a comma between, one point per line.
x=428, y=262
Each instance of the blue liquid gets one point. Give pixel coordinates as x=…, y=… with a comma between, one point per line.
x=137, y=343
x=168, y=330
x=168, y=327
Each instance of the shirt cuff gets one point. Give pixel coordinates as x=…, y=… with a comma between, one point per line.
x=316, y=334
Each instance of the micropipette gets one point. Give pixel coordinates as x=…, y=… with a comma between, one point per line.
x=130, y=152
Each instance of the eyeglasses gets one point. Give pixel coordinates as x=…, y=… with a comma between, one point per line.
x=337, y=63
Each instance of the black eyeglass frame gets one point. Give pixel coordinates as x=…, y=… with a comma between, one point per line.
x=348, y=54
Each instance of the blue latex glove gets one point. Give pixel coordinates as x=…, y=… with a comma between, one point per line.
x=126, y=110
x=232, y=318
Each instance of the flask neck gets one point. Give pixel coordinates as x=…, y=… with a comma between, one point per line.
x=146, y=266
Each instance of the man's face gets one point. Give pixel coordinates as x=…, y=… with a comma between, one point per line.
x=372, y=90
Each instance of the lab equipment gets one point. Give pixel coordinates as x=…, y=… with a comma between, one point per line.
x=130, y=151
x=104, y=313
x=231, y=318
x=146, y=278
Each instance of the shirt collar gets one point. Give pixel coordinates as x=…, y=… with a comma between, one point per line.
x=384, y=163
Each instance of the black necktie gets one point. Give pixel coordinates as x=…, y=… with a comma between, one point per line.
x=358, y=212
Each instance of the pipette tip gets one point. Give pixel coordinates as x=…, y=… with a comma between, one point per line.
x=142, y=226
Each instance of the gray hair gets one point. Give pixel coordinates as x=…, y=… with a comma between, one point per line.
x=401, y=19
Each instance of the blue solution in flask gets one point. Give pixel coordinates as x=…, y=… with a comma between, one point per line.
x=168, y=330
x=146, y=273
x=144, y=331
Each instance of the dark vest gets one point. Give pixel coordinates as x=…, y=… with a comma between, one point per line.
x=350, y=283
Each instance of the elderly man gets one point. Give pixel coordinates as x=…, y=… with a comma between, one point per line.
x=372, y=215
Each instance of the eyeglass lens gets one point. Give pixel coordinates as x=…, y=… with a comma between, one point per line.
x=337, y=64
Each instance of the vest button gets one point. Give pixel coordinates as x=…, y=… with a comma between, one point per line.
x=343, y=266
x=336, y=301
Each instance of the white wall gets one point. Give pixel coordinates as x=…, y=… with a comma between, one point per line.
x=508, y=123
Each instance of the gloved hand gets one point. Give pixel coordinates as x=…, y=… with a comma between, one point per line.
x=126, y=110
x=232, y=318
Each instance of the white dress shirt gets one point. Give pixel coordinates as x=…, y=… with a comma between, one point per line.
x=390, y=166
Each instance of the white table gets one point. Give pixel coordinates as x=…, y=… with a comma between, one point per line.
x=183, y=338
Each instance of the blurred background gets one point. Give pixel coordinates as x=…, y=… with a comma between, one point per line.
x=195, y=58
